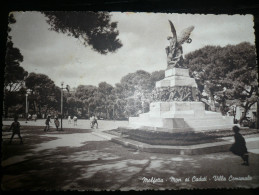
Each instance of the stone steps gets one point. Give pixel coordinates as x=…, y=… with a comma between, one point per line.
x=206, y=122
x=178, y=124
x=182, y=114
x=198, y=149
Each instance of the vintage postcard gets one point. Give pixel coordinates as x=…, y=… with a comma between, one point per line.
x=129, y=101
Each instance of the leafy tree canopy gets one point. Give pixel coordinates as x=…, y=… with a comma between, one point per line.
x=14, y=73
x=44, y=94
x=84, y=92
x=93, y=28
x=39, y=82
x=226, y=73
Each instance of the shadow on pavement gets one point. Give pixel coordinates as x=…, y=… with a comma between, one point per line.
x=104, y=165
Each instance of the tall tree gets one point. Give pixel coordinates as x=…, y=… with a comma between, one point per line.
x=86, y=95
x=106, y=98
x=93, y=28
x=136, y=89
x=226, y=73
x=241, y=83
x=44, y=94
x=14, y=73
x=121, y=101
x=137, y=81
x=73, y=104
x=157, y=76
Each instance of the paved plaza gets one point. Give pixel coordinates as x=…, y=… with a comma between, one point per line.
x=78, y=159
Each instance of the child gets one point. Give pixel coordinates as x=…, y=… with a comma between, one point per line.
x=75, y=121
x=15, y=126
x=93, y=120
x=35, y=117
x=69, y=119
x=239, y=147
x=47, y=123
x=56, y=121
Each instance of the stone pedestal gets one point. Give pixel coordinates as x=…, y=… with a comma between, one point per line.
x=179, y=116
x=176, y=77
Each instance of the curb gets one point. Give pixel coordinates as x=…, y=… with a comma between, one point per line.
x=181, y=150
x=222, y=146
x=104, y=135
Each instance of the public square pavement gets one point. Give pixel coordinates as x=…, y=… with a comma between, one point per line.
x=76, y=159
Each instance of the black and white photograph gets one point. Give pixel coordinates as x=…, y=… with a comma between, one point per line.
x=112, y=100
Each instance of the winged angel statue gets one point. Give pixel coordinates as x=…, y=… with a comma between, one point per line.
x=175, y=51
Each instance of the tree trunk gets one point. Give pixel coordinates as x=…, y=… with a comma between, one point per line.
x=257, y=116
x=88, y=110
x=246, y=108
x=6, y=111
x=34, y=106
x=46, y=111
x=242, y=117
x=39, y=108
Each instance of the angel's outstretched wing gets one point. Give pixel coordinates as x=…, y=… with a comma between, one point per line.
x=185, y=34
x=173, y=30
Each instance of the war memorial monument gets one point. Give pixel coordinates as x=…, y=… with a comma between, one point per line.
x=176, y=106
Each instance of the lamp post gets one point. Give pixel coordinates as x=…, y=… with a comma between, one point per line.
x=113, y=112
x=26, y=107
x=28, y=91
x=61, y=109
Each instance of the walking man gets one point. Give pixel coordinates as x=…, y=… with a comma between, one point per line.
x=47, y=123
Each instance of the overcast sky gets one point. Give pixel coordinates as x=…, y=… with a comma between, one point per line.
x=143, y=35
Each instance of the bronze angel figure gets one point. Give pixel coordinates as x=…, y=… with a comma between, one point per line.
x=174, y=51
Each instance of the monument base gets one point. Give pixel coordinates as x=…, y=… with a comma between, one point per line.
x=172, y=112
x=175, y=117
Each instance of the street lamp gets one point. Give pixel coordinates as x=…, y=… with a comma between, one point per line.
x=61, y=109
x=28, y=91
